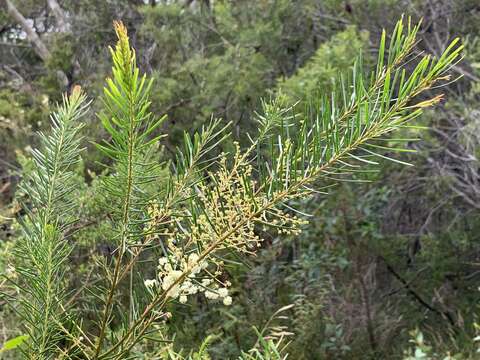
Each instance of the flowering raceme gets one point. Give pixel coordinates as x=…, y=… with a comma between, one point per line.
x=171, y=269
x=224, y=202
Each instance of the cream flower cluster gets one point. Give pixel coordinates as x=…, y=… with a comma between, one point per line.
x=231, y=200
x=171, y=269
x=232, y=208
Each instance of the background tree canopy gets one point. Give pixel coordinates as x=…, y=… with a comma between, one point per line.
x=389, y=257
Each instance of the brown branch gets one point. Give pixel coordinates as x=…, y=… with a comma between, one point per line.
x=32, y=36
x=415, y=295
x=38, y=45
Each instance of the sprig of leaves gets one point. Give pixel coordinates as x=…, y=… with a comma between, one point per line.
x=132, y=130
x=43, y=249
x=212, y=202
x=300, y=154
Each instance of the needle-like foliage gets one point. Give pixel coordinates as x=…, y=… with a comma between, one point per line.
x=293, y=156
x=129, y=124
x=43, y=250
x=342, y=132
x=214, y=203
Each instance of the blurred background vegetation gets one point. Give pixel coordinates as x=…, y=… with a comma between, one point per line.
x=380, y=259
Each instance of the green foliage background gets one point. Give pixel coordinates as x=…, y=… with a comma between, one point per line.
x=374, y=251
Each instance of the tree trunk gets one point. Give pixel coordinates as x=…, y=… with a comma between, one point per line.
x=39, y=47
